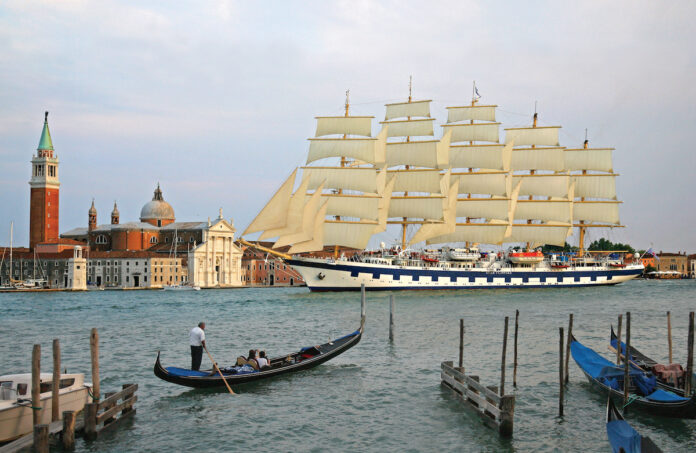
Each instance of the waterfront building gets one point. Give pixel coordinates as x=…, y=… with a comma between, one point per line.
x=135, y=269
x=648, y=260
x=692, y=266
x=261, y=269
x=673, y=262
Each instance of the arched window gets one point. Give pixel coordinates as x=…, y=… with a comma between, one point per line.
x=166, y=240
x=179, y=239
x=153, y=240
x=191, y=239
x=101, y=239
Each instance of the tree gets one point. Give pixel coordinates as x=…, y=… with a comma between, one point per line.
x=558, y=249
x=605, y=244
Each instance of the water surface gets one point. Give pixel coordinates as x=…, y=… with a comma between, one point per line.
x=377, y=396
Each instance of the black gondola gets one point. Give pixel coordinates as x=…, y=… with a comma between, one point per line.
x=623, y=437
x=643, y=391
x=303, y=359
x=647, y=364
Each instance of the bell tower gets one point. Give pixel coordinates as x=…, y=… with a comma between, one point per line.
x=44, y=183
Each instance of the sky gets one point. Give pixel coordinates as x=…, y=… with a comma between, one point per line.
x=215, y=100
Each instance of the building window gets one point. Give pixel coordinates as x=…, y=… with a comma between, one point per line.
x=179, y=239
x=159, y=223
x=166, y=240
x=191, y=239
x=101, y=239
x=107, y=278
x=127, y=278
x=153, y=240
x=145, y=278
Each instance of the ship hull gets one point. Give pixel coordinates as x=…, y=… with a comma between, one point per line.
x=326, y=275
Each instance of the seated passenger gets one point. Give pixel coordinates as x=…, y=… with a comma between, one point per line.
x=251, y=360
x=262, y=361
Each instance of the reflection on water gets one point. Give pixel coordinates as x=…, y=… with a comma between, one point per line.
x=376, y=396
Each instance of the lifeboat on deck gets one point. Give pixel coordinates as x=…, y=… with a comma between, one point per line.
x=526, y=257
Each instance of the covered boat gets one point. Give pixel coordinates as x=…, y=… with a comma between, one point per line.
x=623, y=437
x=305, y=358
x=669, y=377
x=644, y=394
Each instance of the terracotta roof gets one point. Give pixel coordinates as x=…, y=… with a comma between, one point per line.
x=124, y=254
x=65, y=241
x=27, y=255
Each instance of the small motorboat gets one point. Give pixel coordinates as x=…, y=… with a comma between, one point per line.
x=644, y=393
x=16, y=415
x=181, y=288
x=623, y=437
x=617, y=265
x=430, y=259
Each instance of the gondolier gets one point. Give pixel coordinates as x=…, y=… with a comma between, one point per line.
x=197, y=339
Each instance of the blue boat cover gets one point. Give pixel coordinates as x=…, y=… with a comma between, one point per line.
x=663, y=396
x=174, y=371
x=622, y=435
x=349, y=335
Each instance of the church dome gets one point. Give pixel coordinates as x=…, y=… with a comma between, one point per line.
x=157, y=209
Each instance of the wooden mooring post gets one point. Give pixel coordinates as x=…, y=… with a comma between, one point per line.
x=41, y=438
x=560, y=372
x=514, y=366
x=94, y=352
x=627, y=360
x=669, y=336
x=363, y=300
x=68, y=434
x=690, y=357
x=618, y=342
x=502, y=360
x=567, y=349
x=36, y=383
x=55, y=391
x=461, y=342
x=391, y=317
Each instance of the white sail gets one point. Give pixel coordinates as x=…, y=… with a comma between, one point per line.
x=544, y=185
x=349, y=234
x=408, y=109
x=596, y=159
x=485, y=208
x=595, y=186
x=418, y=207
x=349, y=178
x=274, y=213
x=384, y=203
x=417, y=180
x=597, y=211
x=410, y=128
x=419, y=154
x=362, y=149
x=485, y=132
x=485, y=233
x=538, y=136
x=547, y=210
x=484, y=183
x=538, y=159
x=344, y=125
x=471, y=112
x=293, y=213
x=492, y=157
x=430, y=230
x=539, y=234
x=381, y=147
x=317, y=241
x=309, y=214
x=359, y=206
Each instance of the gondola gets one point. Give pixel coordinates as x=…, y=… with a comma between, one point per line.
x=303, y=359
x=644, y=394
x=623, y=436
x=647, y=364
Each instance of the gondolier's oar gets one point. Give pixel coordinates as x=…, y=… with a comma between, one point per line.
x=218, y=370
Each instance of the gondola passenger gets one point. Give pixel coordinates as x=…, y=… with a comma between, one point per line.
x=262, y=361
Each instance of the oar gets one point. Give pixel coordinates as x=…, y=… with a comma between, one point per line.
x=218, y=370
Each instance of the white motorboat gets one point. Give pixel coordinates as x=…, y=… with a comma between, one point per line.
x=16, y=418
x=181, y=288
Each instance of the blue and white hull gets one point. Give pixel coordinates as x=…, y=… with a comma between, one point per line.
x=344, y=275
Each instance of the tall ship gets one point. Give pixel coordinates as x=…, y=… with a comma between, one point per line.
x=454, y=193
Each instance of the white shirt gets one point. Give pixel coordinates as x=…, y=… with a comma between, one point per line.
x=197, y=336
x=262, y=362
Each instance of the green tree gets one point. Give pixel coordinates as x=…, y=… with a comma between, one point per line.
x=605, y=244
x=558, y=249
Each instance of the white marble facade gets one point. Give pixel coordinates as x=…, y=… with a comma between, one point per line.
x=217, y=261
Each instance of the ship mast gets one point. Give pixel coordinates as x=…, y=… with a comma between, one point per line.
x=343, y=161
x=581, y=240
x=408, y=139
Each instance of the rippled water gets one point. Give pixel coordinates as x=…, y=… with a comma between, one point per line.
x=377, y=396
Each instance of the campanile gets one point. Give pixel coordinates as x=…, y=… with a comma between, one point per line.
x=43, y=217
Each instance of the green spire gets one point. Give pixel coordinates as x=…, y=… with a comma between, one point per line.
x=45, y=142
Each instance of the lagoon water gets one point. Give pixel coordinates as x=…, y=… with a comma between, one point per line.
x=376, y=397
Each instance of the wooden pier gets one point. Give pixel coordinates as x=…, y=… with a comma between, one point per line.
x=495, y=410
